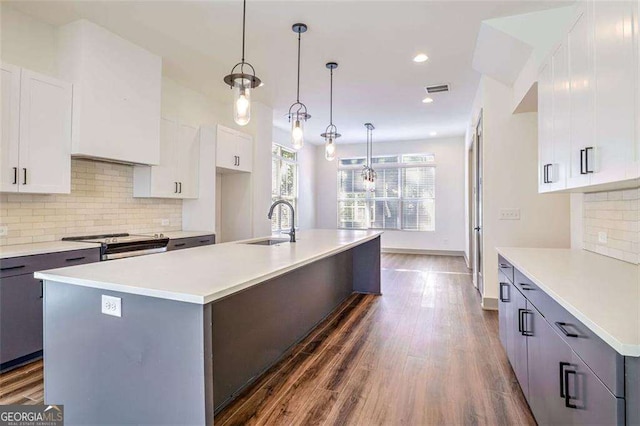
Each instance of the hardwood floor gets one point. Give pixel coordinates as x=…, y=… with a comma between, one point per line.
x=423, y=353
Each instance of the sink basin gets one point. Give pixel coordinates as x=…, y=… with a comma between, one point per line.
x=268, y=242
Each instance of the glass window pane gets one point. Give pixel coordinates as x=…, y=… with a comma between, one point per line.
x=418, y=182
x=384, y=159
x=287, y=179
x=351, y=161
x=352, y=214
x=418, y=158
x=418, y=215
x=387, y=183
x=287, y=154
x=384, y=214
x=275, y=188
x=350, y=184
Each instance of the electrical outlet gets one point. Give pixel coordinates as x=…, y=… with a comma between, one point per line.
x=509, y=214
x=111, y=306
x=4, y=230
x=602, y=237
x=165, y=222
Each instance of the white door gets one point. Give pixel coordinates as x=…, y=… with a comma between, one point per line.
x=580, y=44
x=226, y=149
x=545, y=125
x=557, y=174
x=188, y=160
x=45, y=134
x=244, y=144
x=615, y=90
x=10, y=128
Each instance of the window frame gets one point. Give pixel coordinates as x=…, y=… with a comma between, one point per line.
x=291, y=199
x=401, y=199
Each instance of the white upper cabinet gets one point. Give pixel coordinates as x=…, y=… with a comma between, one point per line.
x=594, y=106
x=234, y=150
x=177, y=174
x=116, y=99
x=36, y=132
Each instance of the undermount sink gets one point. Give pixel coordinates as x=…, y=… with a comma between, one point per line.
x=268, y=242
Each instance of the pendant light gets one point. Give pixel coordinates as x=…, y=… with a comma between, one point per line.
x=331, y=132
x=242, y=82
x=298, y=111
x=368, y=174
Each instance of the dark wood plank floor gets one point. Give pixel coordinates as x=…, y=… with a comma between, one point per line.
x=423, y=353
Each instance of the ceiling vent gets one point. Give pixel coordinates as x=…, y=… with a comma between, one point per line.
x=437, y=88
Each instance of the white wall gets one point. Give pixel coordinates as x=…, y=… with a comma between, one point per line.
x=306, y=179
x=510, y=160
x=449, y=217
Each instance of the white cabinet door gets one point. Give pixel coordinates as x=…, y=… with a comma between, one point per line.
x=615, y=90
x=234, y=150
x=561, y=116
x=164, y=183
x=635, y=169
x=580, y=44
x=188, y=160
x=45, y=134
x=10, y=128
x=545, y=125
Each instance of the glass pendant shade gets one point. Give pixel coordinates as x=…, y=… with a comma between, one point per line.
x=330, y=149
x=241, y=101
x=297, y=131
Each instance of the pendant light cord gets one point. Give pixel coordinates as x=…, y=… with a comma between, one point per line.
x=331, y=99
x=298, y=89
x=244, y=15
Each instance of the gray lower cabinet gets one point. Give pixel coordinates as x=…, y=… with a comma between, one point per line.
x=21, y=302
x=190, y=242
x=560, y=387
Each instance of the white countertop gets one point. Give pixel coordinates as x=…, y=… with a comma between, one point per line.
x=174, y=235
x=602, y=292
x=18, y=250
x=204, y=274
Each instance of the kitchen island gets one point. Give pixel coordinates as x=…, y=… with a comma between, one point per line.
x=195, y=326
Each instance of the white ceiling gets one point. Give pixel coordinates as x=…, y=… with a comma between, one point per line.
x=373, y=42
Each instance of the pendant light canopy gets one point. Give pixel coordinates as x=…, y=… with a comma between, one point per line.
x=368, y=174
x=331, y=132
x=298, y=111
x=241, y=80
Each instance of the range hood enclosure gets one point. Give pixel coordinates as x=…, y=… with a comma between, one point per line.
x=116, y=94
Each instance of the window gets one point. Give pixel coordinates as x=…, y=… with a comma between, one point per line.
x=404, y=198
x=284, y=185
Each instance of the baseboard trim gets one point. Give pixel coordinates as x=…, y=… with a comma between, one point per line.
x=489, y=304
x=456, y=253
x=466, y=260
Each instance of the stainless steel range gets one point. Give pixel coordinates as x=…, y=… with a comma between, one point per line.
x=118, y=246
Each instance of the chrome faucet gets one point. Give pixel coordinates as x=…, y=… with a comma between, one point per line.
x=292, y=233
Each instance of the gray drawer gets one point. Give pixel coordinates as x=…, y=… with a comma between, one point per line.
x=505, y=267
x=29, y=264
x=184, y=243
x=605, y=362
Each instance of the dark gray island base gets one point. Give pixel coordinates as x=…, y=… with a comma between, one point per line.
x=173, y=362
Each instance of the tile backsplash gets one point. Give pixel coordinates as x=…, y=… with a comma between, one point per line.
x=616, y=213
x=101, y=201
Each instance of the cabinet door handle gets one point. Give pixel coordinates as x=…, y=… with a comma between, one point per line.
x=562, y=378
x=582, y=172
x=15, y=175
x=238, y=161
x=562, y=325
x=545, y=179
x=567, y=395
x=586, y=159
x=502, y=298
x=41, y=289
x=10, y=268
x=175, y=190
x=180, y=186
x=24, y=177
x=73, y=259
x=520, y=311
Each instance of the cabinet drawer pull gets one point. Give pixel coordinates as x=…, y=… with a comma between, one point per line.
x=10, y=268
x=204, y=241
x=15, y=175
x=180, y=244
x=502, y=298
x=73, y=259
x=562, y=325
x=526, y=287
x=567, y=395
x=24, y=180
x=504, y=266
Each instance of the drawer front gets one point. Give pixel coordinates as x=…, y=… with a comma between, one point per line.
x=184, y=243
x=605, y=362
x=505, y=267
x=29, y=264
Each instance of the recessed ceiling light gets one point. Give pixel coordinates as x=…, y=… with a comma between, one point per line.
x=427, y=100
x=433, y=134
x=420, y=57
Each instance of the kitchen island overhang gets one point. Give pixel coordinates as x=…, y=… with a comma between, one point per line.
x=179, y=351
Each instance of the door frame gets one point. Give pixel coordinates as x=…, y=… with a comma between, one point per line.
x=478, y=206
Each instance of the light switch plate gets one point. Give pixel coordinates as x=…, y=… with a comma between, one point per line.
x=111, y=306
x=602, y=237
x=509, y=214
